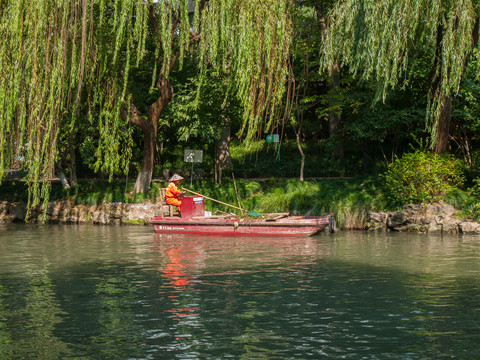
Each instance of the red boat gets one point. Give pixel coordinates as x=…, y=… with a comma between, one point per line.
x=194, y=221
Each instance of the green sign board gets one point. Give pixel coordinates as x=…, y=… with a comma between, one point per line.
x=273, y=138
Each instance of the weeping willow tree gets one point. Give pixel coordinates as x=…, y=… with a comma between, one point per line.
x=375, y=39
x=63, y=58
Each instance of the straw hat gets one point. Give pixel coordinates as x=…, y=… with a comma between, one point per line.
x=176, y=177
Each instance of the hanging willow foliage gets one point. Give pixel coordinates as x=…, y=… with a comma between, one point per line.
x=251, y=41
x=60, y=57
x=373, y=38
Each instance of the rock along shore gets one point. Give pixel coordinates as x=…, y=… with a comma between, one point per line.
x=66, y=212
x=438, y=218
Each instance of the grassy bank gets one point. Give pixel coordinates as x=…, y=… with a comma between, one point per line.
x=348, y=200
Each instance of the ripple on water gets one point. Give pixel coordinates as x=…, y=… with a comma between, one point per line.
x=123, y=292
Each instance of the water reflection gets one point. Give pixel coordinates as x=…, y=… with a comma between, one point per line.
x=115, y=297
x=119, y=292
x=5, y=338
x=27, y=327
x=42, y=313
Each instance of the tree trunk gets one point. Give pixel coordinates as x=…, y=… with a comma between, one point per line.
x=150, y=127
x=445, y=115
x=335, y=114
x=62, y=177
x=144, y=178
x=442, y=121
x=443, y=126
x=71, y=161
x=73, y=168
x=302, y=154
x=223, y=159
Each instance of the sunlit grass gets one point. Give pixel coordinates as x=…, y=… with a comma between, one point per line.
x=348, y=200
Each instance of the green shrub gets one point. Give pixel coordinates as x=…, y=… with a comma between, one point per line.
x=457, y=198
x=470, y=208
x=422, y=177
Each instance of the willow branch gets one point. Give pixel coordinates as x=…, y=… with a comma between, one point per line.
x=153, y=18
x=177, y=55
x=83, y=52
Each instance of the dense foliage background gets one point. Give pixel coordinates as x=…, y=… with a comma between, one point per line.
x=369, y=109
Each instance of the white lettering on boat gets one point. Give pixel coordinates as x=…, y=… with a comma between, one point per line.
x=162, y=227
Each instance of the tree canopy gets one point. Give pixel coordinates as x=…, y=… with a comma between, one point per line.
x=121, y=86
x=62, y=58
x=375, y=40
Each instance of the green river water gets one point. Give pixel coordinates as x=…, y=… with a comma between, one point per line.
x=122, y=292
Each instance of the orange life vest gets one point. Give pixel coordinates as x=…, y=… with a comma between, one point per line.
x=172, y=191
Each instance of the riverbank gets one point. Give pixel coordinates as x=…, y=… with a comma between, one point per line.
x=419, y=218
x=356, y=204
x=432, y=218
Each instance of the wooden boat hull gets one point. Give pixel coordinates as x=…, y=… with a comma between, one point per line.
x=288, y=226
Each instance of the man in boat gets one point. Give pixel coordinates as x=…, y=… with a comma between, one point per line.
x=173, y=194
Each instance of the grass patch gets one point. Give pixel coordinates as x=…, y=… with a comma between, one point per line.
x=348, y=200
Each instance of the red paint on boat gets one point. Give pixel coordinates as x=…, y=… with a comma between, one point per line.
x=192, y=221
x=288, y=226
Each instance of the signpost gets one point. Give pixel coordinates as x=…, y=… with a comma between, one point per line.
x=275, y=138
x=193, y=156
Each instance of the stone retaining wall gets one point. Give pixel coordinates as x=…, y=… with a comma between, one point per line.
x=67, y=213
x=422, y=218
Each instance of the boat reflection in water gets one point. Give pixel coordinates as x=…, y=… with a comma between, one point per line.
x=201, y=274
